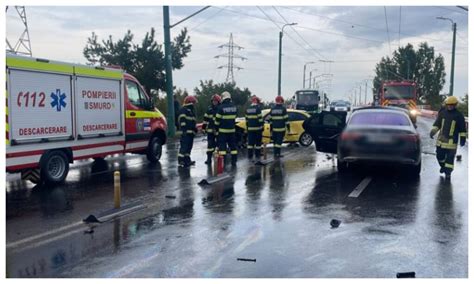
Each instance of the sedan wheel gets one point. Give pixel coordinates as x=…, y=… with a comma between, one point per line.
x=305, y=139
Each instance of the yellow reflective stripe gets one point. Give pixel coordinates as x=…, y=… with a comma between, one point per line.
x=234, y=152
x=180, y=155
x=277, y=145
x=222, y=152
x=207, y=115
x=462, y=134
x=449, y=166
x=218, y=115
x=179, y=132
x=451, y=130
x=229, y=116
x=93, y=72
x=442, y=123
x=254, y=128
x=251, y=116
x=279, y=129
x=143, y=114
x=277, y=117
x=183, y=124
x=40, y=66
x=435, y=128
x=190, y=131
x=209, y=130
x=249, y=147
x=222, y=130
x=451, y=146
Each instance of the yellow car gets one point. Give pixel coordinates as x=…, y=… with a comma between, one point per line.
x=296, y=134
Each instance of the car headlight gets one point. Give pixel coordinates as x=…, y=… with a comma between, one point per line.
x=413, y=112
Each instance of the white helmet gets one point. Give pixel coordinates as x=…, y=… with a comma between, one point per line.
x=226, y=95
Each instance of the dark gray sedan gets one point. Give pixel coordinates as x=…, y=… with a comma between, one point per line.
x=372, y=135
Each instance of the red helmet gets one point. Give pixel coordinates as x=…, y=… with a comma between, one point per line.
x=190, y=100
x=279, y=100
x=216, y=98
x=255, y=100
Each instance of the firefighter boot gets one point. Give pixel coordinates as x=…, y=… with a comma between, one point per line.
x=209, y=159
x=250, y=154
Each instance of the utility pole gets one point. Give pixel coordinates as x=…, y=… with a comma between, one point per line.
x=360, y=94
x=279, y=56
x=453, y=52
x=304, y=72
x=168, y=65
x=365, y=99
x=230, y=59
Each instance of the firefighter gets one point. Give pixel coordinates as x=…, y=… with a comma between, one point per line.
x=208, y=126
x=187, y=123
x=225, y=124
x=254, y=122
x=452, y=127
x=278, y=125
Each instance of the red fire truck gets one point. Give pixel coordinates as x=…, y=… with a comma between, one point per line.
x=58, y=112
x=398, y=94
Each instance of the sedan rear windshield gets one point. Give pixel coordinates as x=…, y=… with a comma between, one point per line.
x=379, y=118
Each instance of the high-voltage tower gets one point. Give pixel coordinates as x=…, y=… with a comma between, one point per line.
x=23, y=44
x=230, y=59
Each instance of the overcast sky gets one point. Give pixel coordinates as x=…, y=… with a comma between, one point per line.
x=354, y=38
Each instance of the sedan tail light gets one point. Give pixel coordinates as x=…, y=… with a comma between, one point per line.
x=410, y=137
x=347, y=136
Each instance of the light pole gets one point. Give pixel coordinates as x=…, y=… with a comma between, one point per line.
x=304, y=72
x=311, y=76
x=451, y=82
x=279, y=57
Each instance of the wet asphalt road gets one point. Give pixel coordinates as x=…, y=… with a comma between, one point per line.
x=277, y=215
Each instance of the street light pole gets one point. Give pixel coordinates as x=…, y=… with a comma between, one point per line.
x=453, y=52
x=279, y=57
x=304, y=73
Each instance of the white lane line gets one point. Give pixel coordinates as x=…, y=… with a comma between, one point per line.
x=362, y=185
x=40, y=236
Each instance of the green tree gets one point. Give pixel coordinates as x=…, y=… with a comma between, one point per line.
x=208, y=88
x=422, y=66
x=145, y=61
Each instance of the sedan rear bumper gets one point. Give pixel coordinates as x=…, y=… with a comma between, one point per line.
x=376, y=159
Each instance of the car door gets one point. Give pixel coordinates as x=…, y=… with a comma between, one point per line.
x=326, y=129
x=296, y=120
x=137, y=123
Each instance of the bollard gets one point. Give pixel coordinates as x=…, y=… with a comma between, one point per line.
x=117, y=193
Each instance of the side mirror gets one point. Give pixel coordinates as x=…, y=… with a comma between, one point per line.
x=376, y=97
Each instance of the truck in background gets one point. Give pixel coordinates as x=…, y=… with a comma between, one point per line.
x=58, y=112
x=398, y=94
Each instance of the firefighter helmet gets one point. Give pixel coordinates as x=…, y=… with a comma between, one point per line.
x=451, y=100
x=226, y=96
x=255, y=100
x=279, y=100
x=216, y=98
x=190, y=100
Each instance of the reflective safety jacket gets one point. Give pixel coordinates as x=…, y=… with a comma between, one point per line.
x=208, y=122
x=451, y=125
x=253, y=117
x=225, y=117
x=187, y=119
x=279, y=119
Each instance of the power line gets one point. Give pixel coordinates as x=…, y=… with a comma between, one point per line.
x=388, y=34
x=297, y=33
x=360, y=25
x=210, y=17
x=307, y=28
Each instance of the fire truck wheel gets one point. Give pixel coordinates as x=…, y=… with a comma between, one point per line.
x=54, y=167
x=154, y=149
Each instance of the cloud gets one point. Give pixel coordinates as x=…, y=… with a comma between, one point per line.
x=355, y=38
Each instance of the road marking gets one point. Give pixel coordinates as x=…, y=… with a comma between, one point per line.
x=36, y=237
x=362, y=185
